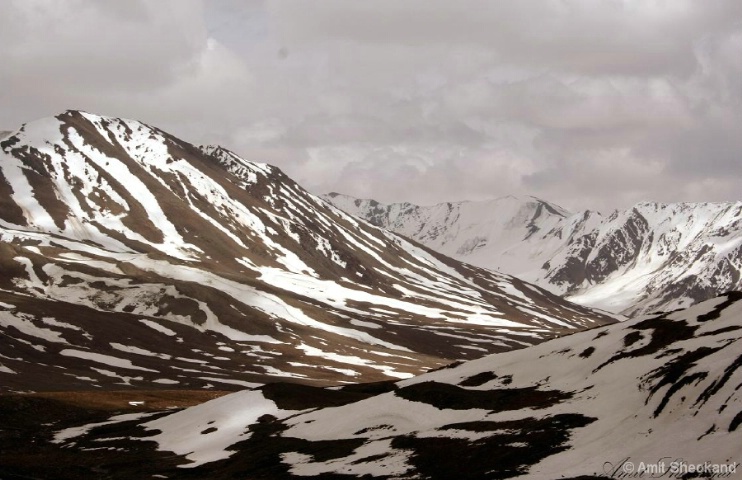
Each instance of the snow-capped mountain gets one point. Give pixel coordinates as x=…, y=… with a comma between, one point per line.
x=658, y=389
x=130, y=257
x=651, y=257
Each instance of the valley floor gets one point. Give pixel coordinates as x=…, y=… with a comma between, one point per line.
x=30, y=422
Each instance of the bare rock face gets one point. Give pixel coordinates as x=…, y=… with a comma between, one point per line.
x=131, y=258
x=652, y=257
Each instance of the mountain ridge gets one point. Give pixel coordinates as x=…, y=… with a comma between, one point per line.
x=653, y=256
x=100, y=215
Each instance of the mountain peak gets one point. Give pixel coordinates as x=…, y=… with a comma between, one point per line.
x=651, y=257
x=105, y=217
x=216, y=150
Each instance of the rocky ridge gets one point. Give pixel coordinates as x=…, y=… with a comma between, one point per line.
x=648, y=258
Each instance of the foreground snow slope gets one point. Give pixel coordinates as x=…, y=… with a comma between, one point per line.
x=649, y=258
x=656, y=387
x=130, y=257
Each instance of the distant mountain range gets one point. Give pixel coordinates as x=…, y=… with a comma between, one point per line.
x=130, y=258
x=652, y=257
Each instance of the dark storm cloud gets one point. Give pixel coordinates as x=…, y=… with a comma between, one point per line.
x=586, y=103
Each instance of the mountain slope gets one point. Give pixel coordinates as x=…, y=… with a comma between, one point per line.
x=648, y=258
x=662, y=388
x=130, y=257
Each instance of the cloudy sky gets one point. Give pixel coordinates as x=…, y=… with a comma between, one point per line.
x=587, y=103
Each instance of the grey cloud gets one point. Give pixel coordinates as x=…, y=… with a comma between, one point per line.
x=627, y=37
x=77, y=44
x=712, y=149
x=580, y=102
